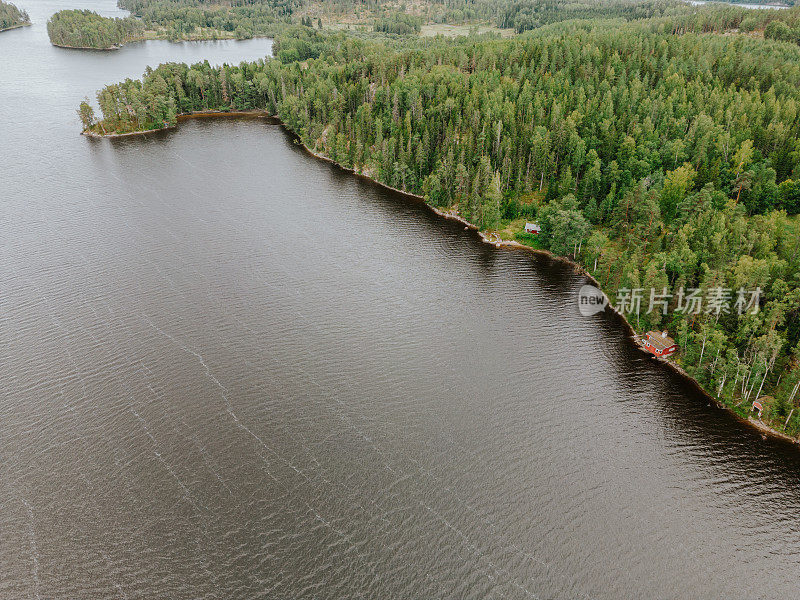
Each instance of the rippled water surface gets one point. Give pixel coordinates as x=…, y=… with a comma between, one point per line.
x=229, y=370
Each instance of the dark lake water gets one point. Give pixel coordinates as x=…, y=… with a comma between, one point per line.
x=229, y=370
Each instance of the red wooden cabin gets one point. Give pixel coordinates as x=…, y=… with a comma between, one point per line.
x=659, y=344
x=757, y=406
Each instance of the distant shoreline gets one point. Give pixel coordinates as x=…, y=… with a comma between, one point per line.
x=486, y=238
x=153, y=39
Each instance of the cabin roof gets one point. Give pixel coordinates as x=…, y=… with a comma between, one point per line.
x=659, y=341
x=532, y=226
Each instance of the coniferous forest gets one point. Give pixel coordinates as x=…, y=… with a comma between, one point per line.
x=181, y=20
x=11, y=16
x=659, y=153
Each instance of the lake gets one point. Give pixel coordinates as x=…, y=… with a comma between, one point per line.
x=231, y=370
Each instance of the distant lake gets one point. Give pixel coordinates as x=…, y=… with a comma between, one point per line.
x=230, y=370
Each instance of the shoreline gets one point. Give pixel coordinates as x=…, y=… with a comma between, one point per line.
x=86, y=47
x=92, y=134
x=198, y=114
x=149, y=39
x=16, y=27
x=498, y=242
x=492, y=239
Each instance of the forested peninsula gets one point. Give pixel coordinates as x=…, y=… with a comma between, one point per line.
x=12, y=17
x=655, y=152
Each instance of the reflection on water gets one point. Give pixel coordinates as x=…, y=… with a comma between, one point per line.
x=230, y=370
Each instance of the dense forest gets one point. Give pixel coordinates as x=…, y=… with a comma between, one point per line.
x=11, y=16
x=177, y=20
x=525, y=15
x=657, y=158
x=521, y=15
x=87, y=29
x=196, y=19
x=398, y=23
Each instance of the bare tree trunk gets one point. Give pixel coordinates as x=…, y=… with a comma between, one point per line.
x=702, y=350
x=794, y=392
x=750, y=392
x=714, y=364
x=761, y=387
x=787, y=419
x=745, y=381
x=763, y=379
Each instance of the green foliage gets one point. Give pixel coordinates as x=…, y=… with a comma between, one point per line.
x=529, y=239
x=398, y=23
x=789, y=193
x=522, y=15
x=676, y=184
x=199, y=19
x=87, y=29
x=779, y=30
x=297, y=44
x=564, y=226
x=11, y=16
x=86, y=114
x=174, y=20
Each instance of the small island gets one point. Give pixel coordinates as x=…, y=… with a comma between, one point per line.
x=179, y=20
x=85, y=29
x=12, y=17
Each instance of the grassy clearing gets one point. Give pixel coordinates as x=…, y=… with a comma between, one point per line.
x=515, y=230
x=434, y=29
